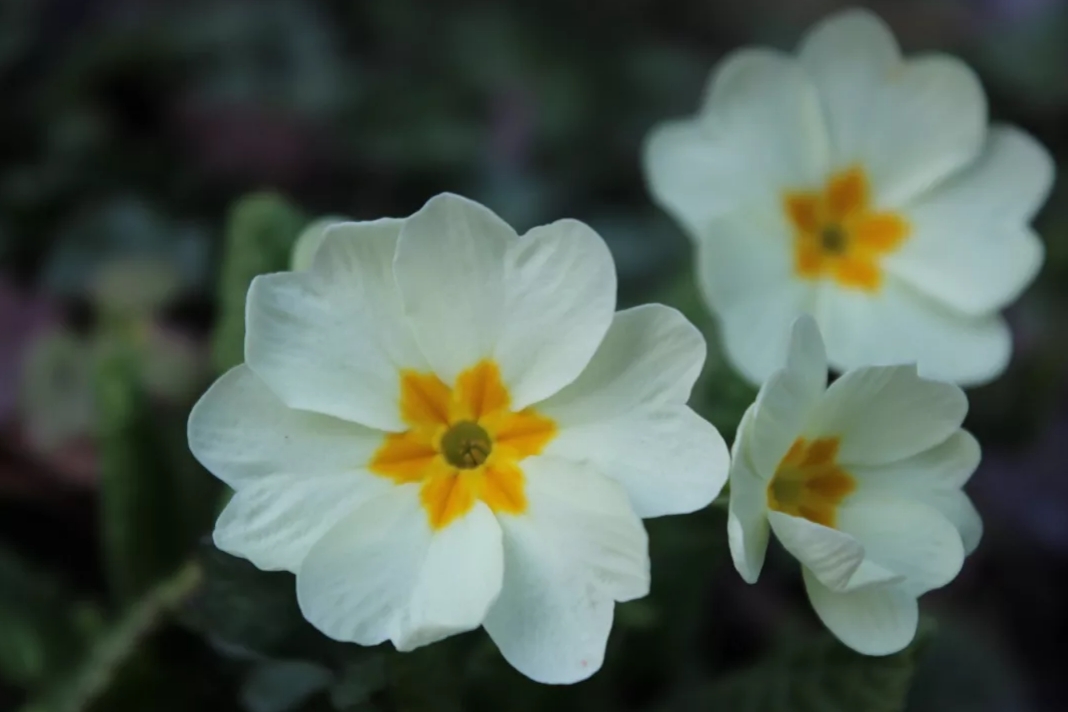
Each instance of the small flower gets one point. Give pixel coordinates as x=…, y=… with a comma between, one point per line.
x=441, y=425
x=862, y=188
x=861, y=481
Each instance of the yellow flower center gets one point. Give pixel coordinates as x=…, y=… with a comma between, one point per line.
x=838, y=233
x=464, y=443
x=809, y=483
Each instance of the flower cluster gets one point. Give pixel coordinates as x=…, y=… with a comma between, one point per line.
x=441, y=425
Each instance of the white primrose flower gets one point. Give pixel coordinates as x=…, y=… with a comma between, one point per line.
x=859, y=187
x=861, y=481
x=442, y=425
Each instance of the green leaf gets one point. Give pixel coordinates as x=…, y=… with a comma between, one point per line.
x=149, y=519
x=817, y=675
x=260, y=234
x=283, y=685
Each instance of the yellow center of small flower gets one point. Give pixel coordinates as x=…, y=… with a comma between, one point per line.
x=464, y=443
x=809, y=483
x=838, y=233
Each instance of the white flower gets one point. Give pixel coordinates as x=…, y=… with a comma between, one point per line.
x=861, y=481
x=861, y=188
x=442, y=425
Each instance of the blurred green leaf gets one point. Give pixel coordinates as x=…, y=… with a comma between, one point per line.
x=260, y=234
x=817, y=674
x=43, y=630
x=283, y=685
x=357, y=682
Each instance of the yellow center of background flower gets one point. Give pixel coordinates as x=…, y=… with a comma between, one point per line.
x=464, y=443
x=809, y=483
x=838, y=234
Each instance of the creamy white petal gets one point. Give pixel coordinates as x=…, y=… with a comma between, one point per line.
x=303, y=255
x=909, y=124
x=849, y=55
x=787, y=399
x=899, y=325
x=560, y=293
x=240, y=431
x=874, y=620
x=275, y=520
x=383, y=574
x=669, y=459
x=746, y=272
x=760, y=132
x=650, y=357
x=747, y=518
x=961, y=512
x=450, y=269
x=886, y=413
x=834, y=557
x=969, y=245
x=332, y=340
x=577, y=549
x=909, y=538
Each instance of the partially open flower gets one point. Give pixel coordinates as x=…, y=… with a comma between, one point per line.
x=862, y=188
x=442, y=425
x=861, y=482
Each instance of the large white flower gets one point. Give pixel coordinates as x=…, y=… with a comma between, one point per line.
x=861, y=481
x=861, y=188
x=442, y=425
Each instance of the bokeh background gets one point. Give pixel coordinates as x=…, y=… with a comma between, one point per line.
x=156, y=154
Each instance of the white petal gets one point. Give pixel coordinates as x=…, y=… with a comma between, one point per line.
x=450, y=269
x=834, y=557
x=908, y=124
x=898, y=325
x=746, y=272
x=560, y=292
x=759, y=132
x=304, y=249
x=651, y=356
x=383, y=574
x=577, y=549
x=669, y=459
x=909, y=538
x=875, y=620
x=240, y=432
x=747, y=520
x=955, y=506
x=332, y=340
x=275, y=520
x=786, y=400
x=969, y=244
x=886, y=413
x=849, y=55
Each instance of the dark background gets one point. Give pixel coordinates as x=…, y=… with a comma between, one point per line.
x=129, y=130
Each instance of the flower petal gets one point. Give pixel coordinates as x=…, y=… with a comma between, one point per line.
x=333, y=340
x=886, y=413
x=874, y=620
x=745, y=268
x=785, y=401
x=747, y=520
x=383, y=574
x=969, y=244
x=578, y=549
x=240, y=431
x=276, y=519
x=760, y=132
x=909, y=538
x=834, y=557
x=560, y=292
x=910, y=124
x=898, y=325
x=651, y=356
x=450, y=269
x=669, y=459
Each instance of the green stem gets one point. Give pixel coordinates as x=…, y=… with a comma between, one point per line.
x=120, y=643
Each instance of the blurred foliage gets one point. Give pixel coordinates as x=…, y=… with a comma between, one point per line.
x=144, y=151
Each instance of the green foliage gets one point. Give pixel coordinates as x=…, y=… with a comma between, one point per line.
x=260, y=234
x=817, y=675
